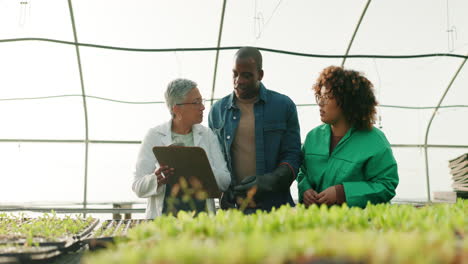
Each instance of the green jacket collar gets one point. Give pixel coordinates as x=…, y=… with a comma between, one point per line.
x=327, y=131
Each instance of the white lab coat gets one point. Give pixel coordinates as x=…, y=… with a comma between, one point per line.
x=145, y=184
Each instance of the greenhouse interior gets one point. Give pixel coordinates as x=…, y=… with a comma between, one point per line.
x=85, y=82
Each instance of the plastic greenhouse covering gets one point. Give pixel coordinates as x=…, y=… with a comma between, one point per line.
x=82, y=81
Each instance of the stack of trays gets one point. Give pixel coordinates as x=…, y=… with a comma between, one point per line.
x=459, y=171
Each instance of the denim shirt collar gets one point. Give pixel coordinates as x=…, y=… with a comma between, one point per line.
x=262, y=97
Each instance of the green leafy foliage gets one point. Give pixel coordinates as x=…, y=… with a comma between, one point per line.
x=378, y=234
x=47, y=227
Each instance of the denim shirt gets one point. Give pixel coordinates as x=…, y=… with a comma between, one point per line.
x=277, y=135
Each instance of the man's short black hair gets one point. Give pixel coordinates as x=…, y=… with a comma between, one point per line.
x=250, y=52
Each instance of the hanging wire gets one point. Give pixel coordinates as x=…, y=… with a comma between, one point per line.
x=24, y=12
x=261, y=22
x=80, y=95
x=451, y=32
x=214, y=99
x=403, y=107
x=415, y=56
x=258, y=21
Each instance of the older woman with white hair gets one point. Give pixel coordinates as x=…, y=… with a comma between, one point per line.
x=150, y=179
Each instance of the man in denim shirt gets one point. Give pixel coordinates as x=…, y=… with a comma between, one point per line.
x=259, y=134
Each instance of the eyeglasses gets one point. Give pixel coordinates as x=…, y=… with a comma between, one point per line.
x=323, y=98
x=198, y=103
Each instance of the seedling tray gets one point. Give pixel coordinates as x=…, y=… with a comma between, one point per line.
x=61, y=243
x=21, y=254
x=109, y=230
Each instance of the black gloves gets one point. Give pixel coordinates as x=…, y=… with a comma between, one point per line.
x=277, y=180
x=228, y=199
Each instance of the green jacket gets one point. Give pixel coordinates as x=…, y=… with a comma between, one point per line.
x=362, y=161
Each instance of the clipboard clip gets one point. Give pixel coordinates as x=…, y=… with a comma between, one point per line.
x=177, y=145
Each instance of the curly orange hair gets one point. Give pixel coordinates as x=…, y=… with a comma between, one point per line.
x=353, y=93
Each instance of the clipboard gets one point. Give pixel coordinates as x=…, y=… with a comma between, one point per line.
x=188, y=162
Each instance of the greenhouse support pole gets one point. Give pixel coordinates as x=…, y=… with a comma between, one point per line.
x=78, y=57
x=428, y=187
x=355, y=32
x=217, y=52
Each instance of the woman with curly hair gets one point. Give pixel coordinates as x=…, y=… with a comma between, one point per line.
x=346, y=159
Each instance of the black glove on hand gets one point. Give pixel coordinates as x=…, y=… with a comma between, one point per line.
x=277, y=180
x=245, y=185
x=228, y=199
